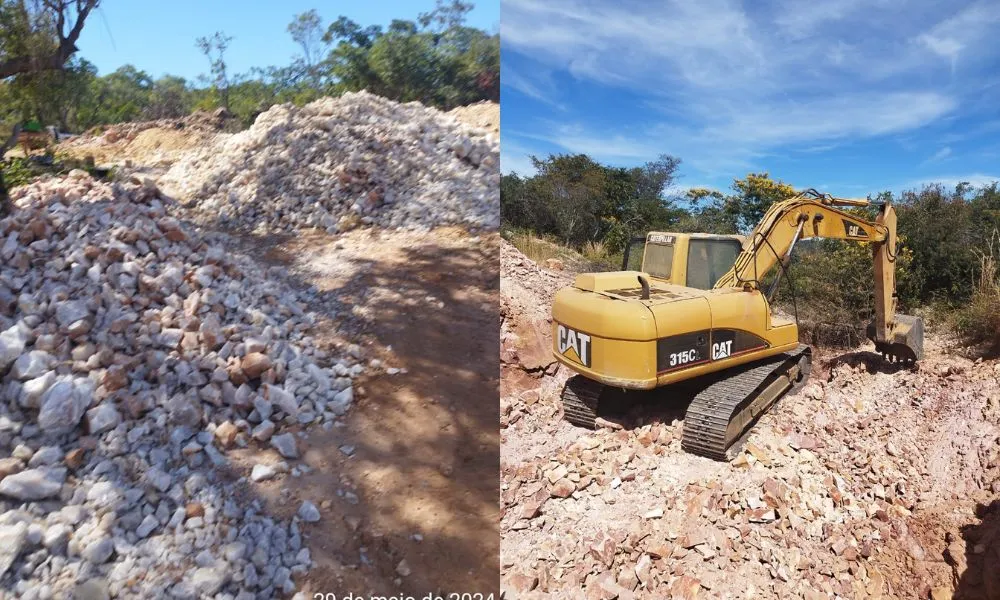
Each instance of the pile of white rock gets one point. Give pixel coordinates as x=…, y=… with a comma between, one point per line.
x=338, y=162
x=134, y=354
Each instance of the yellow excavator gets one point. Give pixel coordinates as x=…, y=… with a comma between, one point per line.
x=697, y=316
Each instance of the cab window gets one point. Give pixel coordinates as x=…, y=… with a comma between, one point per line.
x=709, y=260
x=658, y=260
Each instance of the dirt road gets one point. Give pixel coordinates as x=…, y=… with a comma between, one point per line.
x=407, y=485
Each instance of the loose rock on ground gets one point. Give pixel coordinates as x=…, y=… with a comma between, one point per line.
x=873, y=481
x=126, y=377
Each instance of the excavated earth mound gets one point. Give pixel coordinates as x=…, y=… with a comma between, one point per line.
x=135, y=355
x=485, y=115
x=874, y=481
x=337, y=162
x=526, y=292
x=158, y=143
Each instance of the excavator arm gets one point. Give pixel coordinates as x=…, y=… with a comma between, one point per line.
x=811, y=214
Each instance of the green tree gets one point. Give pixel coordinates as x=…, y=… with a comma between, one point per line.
x=122, y=95
x=40, y=36
x=306, y=30
x=404, y=64
x=706, y=213
x=435, y=60
x=939, y=228
x=348, y=61
x=446, y=16
x=169, y=98
x=578, y=200
x=214, y=48
x=755, y=193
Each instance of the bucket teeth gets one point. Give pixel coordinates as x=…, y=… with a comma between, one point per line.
x=906, y=343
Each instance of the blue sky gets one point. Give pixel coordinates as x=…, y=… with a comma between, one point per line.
x=158, y=37
x=848, y=96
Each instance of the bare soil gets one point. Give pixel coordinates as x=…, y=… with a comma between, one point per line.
x=410, y=475
x=153, y=147
x=485, y=115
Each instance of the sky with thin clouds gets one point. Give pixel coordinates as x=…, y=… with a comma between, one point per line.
x=848, y=96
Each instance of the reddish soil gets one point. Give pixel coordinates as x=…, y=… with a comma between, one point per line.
x=421, y=482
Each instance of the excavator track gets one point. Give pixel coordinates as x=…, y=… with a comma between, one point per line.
x=722, y=413
x=580, y=399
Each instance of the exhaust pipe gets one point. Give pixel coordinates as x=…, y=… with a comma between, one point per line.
x=645, y=287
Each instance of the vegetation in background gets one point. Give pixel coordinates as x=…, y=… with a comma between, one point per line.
x=576, y=200
x=435, y=59
x=979, y=320
x=19, y=170
x=944, y=259
x=214, y=48
x=593, y=256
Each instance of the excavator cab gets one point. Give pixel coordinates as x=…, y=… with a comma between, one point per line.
x=694, y=260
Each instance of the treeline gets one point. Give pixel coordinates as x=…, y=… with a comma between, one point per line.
x=948, y=236
x=435, y=59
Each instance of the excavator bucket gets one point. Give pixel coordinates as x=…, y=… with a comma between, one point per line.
x=906, y=340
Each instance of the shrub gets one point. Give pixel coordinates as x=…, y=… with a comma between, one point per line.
x=834, y=285
x=19, y=171
x=601, y=257
x=979, y=321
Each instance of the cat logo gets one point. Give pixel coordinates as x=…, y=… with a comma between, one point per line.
x=722, y=349
x=659, y=238
x=853, y=230
x=574, y=345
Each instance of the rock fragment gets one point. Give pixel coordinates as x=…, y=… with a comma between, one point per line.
x=33, y=484
x=308, y=512
x=286, y=445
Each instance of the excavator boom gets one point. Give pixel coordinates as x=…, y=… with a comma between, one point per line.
x=811, y=214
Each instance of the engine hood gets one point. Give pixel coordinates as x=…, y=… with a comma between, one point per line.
x=624, y=285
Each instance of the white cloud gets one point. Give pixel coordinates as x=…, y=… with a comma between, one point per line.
x=863, y=115
x=705, y=42
x=950, y=37
x=734, y=82
x=726, y=139
x=946, y=47
x=941, y=154
x=801, y=19
x=611, y=147
x=533, y=89
x=950, y=181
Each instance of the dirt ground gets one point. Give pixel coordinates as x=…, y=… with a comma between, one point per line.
x=153, y=147
x=873, y=481
x=407, y=485
x=482, y=114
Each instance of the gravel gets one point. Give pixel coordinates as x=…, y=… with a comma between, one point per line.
x=124, y=333
x=339, y=162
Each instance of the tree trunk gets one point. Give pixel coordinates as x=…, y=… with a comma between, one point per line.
x=5, y=205
x=11, y=141
x=66, y=48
